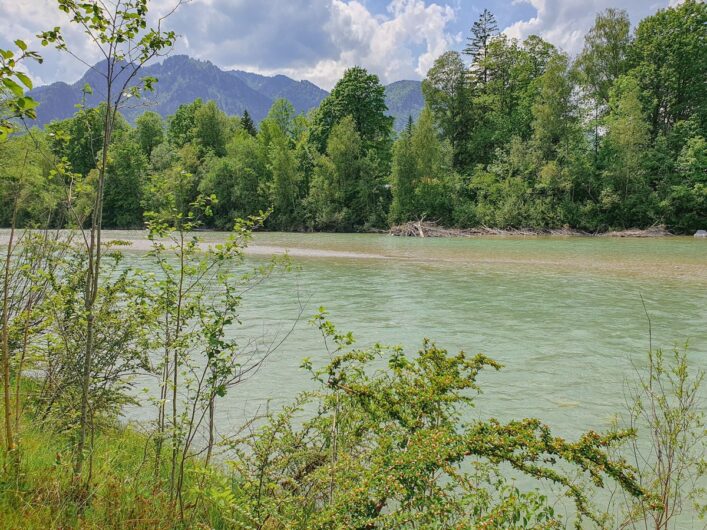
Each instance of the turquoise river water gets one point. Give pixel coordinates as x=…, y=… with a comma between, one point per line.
x=564, y=315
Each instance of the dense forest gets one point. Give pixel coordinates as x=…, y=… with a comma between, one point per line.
x=514, y=135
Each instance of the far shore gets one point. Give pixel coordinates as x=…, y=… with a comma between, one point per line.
x=430, y=229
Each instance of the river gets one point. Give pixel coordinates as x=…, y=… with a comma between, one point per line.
x=563, y=315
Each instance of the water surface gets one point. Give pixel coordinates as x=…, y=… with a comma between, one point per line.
x=564, y=315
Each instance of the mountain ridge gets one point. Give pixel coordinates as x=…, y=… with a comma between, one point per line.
x=182, y=79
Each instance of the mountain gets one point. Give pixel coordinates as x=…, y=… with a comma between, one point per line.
x=182, y=79
x=302, y=94
x=404, y=99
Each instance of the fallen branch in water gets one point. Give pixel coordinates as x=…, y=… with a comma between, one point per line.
x=431, y=229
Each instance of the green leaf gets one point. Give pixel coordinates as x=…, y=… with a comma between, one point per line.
x=25, y=80
x=21, y=45
x=13, y=87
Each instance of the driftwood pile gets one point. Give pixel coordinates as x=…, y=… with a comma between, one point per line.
x=653, y=231
x=432, y=229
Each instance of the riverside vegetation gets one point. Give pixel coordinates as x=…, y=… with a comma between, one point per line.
x=514, y=135
x=382, y=441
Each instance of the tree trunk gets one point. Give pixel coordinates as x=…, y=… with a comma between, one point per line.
x=92, y=273
x=9, y=437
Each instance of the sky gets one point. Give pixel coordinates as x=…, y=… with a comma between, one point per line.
x=318, y=39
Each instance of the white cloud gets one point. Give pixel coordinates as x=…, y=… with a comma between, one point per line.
x=24, y=19
x=401, y=43
x=315, y=39
x=565, y=22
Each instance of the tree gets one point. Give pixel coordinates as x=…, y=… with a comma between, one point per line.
x=603, y=60
x=361, y=96
x=482, y=32
x=604, y=56
x=665, y=403
x=448, y=96
x=247, y=124
x=200, y=363
x=149, y=129
x=667, y=57
x=280, y=122
x=627, y=139
x=284, y=186
x=120, y=33
x=211, y=129
x=504, y=104
x=346, y=189
x=80, y=139
x=238, y=180
x=434, y=173
x=554, y=112
x=686, y=199
x=17, y=185
x=182, y=124
x=127, y=172
x=422, y=171
x=403, y=178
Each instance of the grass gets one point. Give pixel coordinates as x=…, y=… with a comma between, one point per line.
x=122, y=494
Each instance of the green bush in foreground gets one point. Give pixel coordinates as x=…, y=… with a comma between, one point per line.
x=381, y=443
x=386, y=446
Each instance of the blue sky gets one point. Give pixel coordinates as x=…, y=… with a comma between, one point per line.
x=318, y=39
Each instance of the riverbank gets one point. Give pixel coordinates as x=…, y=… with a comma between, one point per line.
x=123, y=491
x=430, y=229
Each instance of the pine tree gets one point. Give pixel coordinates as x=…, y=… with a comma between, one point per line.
x=410, y=124
x=247, y=124
x=482, y=32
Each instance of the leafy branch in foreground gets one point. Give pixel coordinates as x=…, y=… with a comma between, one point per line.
x=13, y=83
x=198, y=298
x=665, y=404
x=119, y=31
x=383, y=444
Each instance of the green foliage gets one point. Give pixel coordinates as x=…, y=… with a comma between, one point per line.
x=447, y=95
x=346, y=193
x=181, y=125
x=284, y=187
x=149, y=130
x=381, y=444
x=123, y=315
x=26, y=185
x=482, y=33
x=79, y=139
x=237, y=180
x=625, y=195
x=125, y=182
x=422, y=166
x=13, y=83
x=604, y=57
x=687, y=198
x=211, y=129
x=247, y=124
x=612, y=141
x=664, y=402
x=667, y=57
x=358, y=95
